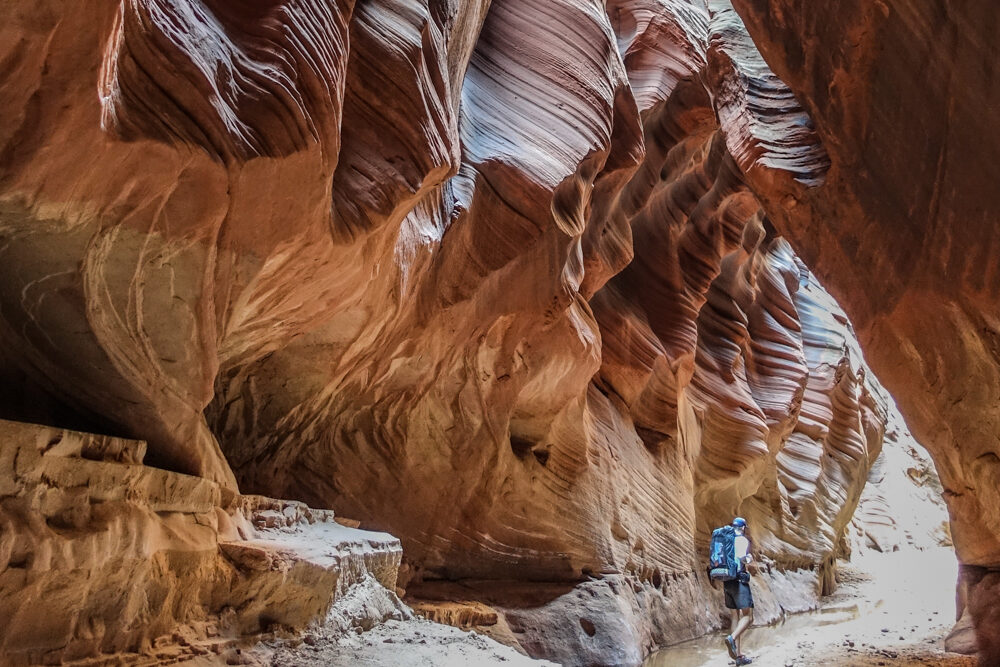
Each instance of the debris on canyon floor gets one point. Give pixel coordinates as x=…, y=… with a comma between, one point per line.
x=415, y=643
x=371, y=627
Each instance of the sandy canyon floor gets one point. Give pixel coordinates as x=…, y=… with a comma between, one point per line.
x=890, y=609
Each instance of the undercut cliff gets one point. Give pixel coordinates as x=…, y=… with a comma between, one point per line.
x=901, y=94
x=505, y=279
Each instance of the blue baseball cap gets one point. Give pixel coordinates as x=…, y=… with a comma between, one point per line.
x=740, y=522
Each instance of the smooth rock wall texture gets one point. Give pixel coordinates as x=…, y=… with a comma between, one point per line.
x=493, y=276
x=904, y=96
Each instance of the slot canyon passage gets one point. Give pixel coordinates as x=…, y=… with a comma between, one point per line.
x=487, y=312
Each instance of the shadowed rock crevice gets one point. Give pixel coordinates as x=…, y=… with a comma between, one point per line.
x=23, y=399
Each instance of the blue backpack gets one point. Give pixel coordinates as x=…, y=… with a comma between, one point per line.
x=723, y=565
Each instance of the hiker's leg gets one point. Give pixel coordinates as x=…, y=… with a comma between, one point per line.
x=746, y=618
x=730, y=641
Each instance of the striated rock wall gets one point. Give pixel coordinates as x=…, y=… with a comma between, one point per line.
x=899, y=91
x=502, y=278
x=902, y=505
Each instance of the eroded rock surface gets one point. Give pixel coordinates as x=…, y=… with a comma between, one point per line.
x=102, y=557
x=897, y=91
x=502, y=278
x=902, y=506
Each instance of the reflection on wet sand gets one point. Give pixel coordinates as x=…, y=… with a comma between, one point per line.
x=710, y=648
x=891, y=609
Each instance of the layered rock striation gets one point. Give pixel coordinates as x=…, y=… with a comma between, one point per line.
x=504, y=279
x=899, y=91
x=104, y=558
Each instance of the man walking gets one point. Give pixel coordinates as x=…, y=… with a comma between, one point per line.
x=739, y=599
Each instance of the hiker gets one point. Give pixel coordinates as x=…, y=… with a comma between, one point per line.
x=739, y=599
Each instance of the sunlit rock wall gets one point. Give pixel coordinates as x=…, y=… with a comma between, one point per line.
x=492, y=276
x=902, y=505
x=104, y=559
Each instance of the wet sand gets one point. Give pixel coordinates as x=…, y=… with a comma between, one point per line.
x=889, y=609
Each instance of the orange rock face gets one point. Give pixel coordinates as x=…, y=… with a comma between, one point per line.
x=502, y=278
x=101, y=557
x=897, y=90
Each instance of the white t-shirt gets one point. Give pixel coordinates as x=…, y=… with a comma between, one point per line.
x=741, y=546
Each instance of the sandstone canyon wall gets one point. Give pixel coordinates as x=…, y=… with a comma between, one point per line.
x=504, y=279
x=904, y=95
x=902, y=505
x=107, y=559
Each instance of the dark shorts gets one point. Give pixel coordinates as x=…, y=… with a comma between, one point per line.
x=738, y=595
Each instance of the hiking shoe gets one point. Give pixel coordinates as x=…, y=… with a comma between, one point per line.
x=731, y=645
x=743, y=660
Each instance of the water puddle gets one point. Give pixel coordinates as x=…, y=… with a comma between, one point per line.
x=711, y=650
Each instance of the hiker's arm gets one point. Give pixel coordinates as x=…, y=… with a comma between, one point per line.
x=742, y=548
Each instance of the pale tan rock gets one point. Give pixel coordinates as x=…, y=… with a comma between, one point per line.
x=902, y=506
x=101, y=557
x=962, y=638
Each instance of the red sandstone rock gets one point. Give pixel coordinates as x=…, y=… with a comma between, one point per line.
x=503, y=278
x=899, y=92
